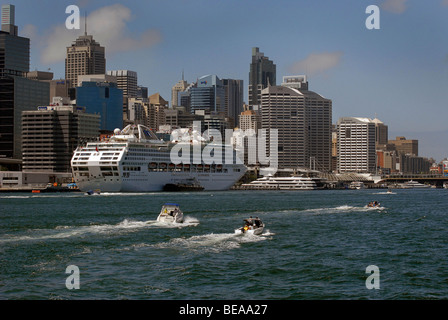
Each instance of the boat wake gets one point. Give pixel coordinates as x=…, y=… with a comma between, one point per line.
x=342, y=209
x=63, y=232
x=188, y=222
x=212, y=242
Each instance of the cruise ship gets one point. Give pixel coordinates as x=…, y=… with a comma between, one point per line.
x=283, y=183
x=135, y=160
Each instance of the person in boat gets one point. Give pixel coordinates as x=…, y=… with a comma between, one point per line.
x=257, y=222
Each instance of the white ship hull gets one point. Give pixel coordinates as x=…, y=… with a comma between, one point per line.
x=156, y=182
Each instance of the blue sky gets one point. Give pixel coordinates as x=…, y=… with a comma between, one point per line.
x=398, y=73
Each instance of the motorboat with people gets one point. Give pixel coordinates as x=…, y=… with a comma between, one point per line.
x=373, y=204
x=251, y=226
x=93, y=192
x=171, y=213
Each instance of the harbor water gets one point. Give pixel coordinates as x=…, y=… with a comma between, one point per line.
x=316, y=245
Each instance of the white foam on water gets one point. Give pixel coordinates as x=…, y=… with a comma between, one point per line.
x=62, y=232
x=343, y=209
x=212, y=242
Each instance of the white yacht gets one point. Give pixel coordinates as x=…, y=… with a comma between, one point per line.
x=135, y=160
x=414, y=185
x=357, y=185
x=283, y=183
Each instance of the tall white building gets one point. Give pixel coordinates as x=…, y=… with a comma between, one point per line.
x=356, y=145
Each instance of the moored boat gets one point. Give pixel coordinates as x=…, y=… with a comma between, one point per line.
x=411, y=184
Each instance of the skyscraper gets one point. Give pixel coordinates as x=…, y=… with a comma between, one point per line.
x=126, y=81
x=84, y=56
x=17, y=93
x=233, y=100
x=303, y=120
x=209, y=95
x=14, y=50
x=318, y=112
x=103, y=98
x=283, y=109
x=261, y=75
x=180, y=86
x=8, y=19
x=356, y=145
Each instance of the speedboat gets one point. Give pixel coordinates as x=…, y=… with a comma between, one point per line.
x=93, y=192
x=251, y=226
x=373, y=204
x=171, y=213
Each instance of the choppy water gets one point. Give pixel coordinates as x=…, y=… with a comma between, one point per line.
x=316, y=245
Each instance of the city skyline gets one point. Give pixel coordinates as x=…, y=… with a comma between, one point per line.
x=396, y=73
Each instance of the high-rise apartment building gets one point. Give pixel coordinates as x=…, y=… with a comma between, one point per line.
x=261, y=75
x=84, y=56
x=356, y=145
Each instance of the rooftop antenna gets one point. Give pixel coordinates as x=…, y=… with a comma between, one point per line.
x=182, y=74
x=85, y=23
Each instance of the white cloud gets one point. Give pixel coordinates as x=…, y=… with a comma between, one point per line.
x=317, y=63
x=108, y=25
x=394, y=6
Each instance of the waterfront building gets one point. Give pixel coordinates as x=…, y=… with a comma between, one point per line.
x=105, y=99
x=50, y=134
x=84, y=56
x=283, y=109
x=356, y=145
x=304, y=122
x=261, y=75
